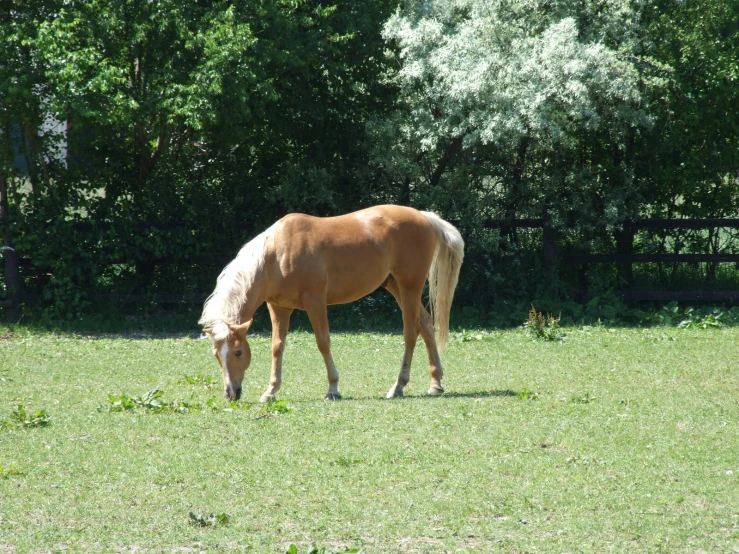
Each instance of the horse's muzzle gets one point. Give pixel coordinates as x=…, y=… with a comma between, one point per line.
x=233, y=394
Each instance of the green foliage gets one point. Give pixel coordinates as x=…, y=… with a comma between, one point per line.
x=586, y=398
x=200, y=380
x=189, y=127
x=526, y=394
x=210, y=520
x=545, y=327
x=524, y=112
x=21, y=418
x=715, y=319
x=8, y=472
x=558, y=110
x=690, y=317
x=692, y=166
x=150, y=402
x=273, y=407
x=292, y=549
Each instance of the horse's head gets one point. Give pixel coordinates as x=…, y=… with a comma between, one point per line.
x=233, y=354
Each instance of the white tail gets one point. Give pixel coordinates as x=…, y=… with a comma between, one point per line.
x=444, y=273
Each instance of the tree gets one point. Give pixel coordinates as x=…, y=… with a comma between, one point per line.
x=275, y=82
x=191, y=127
x=530, y=86
x=689, y=166
x=692, y=162
x=22, y=114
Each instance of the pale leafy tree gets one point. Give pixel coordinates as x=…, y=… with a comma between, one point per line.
x=534, y=90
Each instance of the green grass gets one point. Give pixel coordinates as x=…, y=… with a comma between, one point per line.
x=612, y=440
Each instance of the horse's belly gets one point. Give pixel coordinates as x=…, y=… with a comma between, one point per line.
x=352, y=286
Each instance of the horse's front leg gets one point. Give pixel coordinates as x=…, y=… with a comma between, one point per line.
x=280, y=324
x=315, y=306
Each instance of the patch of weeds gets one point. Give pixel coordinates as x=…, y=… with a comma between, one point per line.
x=206, y=381
x=693, y=319
x=583, y=399
x=273, y=408
x=543, y=327
x=151, y=402
x=8, y=472
x=345, y=461
x=21, y=418
x=211, y=520
x=292, y=549
x=231, y=406
x=584, y=461
x=526, y=394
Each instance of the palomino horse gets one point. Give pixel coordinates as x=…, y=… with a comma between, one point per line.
x=304, y=262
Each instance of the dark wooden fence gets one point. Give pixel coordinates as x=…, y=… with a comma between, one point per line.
x=624, y=258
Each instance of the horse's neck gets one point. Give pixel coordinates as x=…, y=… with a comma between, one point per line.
x=254, y=298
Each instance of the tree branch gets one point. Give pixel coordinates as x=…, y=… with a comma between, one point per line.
x=452, y=149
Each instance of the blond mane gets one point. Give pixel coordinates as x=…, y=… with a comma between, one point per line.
x=223, y=306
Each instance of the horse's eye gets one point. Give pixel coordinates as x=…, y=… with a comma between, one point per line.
x=237, y=353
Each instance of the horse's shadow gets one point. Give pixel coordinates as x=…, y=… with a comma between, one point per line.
x=424, y=396
x=478, y=394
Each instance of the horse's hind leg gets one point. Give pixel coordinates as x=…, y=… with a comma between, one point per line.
x=409, y=299
x=435, y=370
x=317, y=313
x=425, y=327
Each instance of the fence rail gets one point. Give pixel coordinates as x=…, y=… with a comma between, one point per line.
x=624, y=258
x=648, y=258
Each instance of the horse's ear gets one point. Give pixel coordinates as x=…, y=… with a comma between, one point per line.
x=242, y=328
x=208, y=331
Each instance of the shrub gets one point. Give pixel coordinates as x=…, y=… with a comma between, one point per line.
x=544, y=327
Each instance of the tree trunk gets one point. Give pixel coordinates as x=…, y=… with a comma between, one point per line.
x=405, y=192
x=13, y=283
x=513, y=196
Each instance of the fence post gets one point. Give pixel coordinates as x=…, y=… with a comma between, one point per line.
x=625, y=247
x=549, y=247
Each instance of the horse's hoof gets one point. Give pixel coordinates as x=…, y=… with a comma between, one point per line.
x=267, y=397
x=332, y=396
x=435, y=391
x=394, y=394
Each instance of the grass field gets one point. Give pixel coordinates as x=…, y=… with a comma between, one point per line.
x=613, y=440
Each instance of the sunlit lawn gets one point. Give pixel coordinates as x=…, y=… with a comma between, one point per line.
x=613, y=440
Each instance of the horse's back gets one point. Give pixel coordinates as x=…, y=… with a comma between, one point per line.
x=353, y=254
x=375, y=225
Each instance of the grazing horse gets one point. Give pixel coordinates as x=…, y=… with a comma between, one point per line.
x=306, y=263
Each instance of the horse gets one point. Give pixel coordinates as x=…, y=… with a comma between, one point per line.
x=307, y=263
